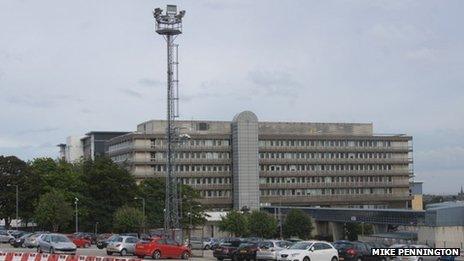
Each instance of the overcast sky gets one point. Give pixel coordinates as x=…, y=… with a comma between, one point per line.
x=69, y=67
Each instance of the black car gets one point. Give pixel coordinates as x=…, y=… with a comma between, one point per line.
x=18, y=242
x=227, y=249
x=355, y=251
x=102, y=243
x=246, y=251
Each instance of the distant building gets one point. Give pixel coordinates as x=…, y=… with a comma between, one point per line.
x=417, y=202
x=88, y=147
x=247, y=163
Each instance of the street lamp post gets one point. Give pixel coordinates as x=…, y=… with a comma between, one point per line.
x=76, y=200
x=17, y=202
x=96, y=228
x=143, y=211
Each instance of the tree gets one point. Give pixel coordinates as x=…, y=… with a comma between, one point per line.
x=153, y=191
x=353, y=230
x=235, y=223
x=106, y=187
x=12, y=171
x=261, y=224
x=53, y=211
x=128, y=219
x=297, y=223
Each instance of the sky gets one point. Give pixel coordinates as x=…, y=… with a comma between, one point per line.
x=70, y=67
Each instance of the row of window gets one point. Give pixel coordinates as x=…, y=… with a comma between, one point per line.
x=120, y=157
x=119, y=145
x=193, y=168
x=215, y=193
x=316, y=192
x=322, y=167
x=324, y=143
x=205, y=181
x=193, y=155
x=323, y=155
x=284, y=180
x=210, y=143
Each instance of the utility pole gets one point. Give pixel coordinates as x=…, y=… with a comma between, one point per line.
x=143, y=211
x=76, y=200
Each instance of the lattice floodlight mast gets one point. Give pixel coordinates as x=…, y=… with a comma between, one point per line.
x=169, y=25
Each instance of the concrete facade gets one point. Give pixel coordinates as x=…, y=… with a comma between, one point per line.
x=298, y=163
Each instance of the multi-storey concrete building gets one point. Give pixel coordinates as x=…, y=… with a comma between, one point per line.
x=245, y=162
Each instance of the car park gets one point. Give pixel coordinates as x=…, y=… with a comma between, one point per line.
x=55, y=244
x=19, y=242
x=80, y=241
x=246, y=251
x=352, y=250
x=161, y=248
x=31, y=240
x=209, y=242
x=269, y=249
x=104, y=239
x=6, y=237
x=122, y=244
x=227, y=249
x=309, y=250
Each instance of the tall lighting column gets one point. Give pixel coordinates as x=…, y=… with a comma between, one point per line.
x=169, y=25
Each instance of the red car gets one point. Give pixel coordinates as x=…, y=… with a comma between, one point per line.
x=161, y=248
x=80, y=242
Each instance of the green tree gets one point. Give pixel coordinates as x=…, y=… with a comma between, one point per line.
x=353, y=230
x=106, y=187
x=128, y=219
x=153, y=191
x=261, y=224
x=53, y=211
x=235, y=223
x=13, y=171
x=297, y=223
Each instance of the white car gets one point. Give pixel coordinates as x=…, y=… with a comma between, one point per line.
x=269, y=249
x=309, y=250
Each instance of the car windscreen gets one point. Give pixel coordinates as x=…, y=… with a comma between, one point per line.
x=301, y=246
x=60, y=239
x=343, y=245
x=266, y=244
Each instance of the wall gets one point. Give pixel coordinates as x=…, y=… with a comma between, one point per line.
x=452, y=236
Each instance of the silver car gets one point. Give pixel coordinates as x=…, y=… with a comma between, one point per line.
x=269, y=249
x=31, y=241
x=55, y=244
x=6, y=237
x=122, y=244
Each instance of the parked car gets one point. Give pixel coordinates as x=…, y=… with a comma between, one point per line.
x=246, y=251
x=104, y=239
x=122, y=244
x=352, y=250
x=19, y=242
x=269, y=249
x=80, y=240
x=6, y=237
x=309, y=250
x=31, y=240
x=227, y=249
x=209, y=242
x=55, y=244
x=161, y=248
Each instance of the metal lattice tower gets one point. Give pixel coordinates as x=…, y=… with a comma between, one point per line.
x=169, y=25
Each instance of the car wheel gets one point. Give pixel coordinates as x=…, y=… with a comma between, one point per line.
x=306, y=258
x=11, y=241
x=334, y=258
x=185, y=255
x=156, y=255
x=419, y=259
x=207, y=247
x=109, y=253
x=358, y=259
x=39, y=250
x=123, y=252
